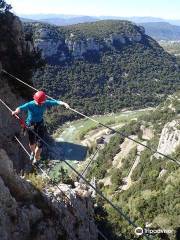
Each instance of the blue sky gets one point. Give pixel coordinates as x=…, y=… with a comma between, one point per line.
x=155, y=8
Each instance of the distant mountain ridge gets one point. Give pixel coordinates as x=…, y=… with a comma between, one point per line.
x=159, y=29
x=69, y=21
x=162, y=30
x=57, y=19
x=87, y=18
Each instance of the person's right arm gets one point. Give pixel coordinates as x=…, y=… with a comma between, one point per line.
x=23, y=107
x=17, y=111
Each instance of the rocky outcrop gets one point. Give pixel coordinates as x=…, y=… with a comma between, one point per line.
x=170, y=138
x=54, y=44
x=12, y=43
x=122, y=39
x=19, y=35
x=80, y=47
x=147, y=132
x=16, y=57
x=13, y=27
x=9, y=126
x=48, y=41
x=25, y=213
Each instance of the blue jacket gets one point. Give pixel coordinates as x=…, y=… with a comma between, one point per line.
x=36, y=112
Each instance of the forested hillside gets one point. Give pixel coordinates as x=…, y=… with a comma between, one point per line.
x=103, y=66
x=144, y=184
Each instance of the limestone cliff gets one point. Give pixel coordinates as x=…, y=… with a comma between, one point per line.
x=12, y=58
x=170, y=138
x=26, y=213
x=19, y=57
x=9, y=126
x=74, y=45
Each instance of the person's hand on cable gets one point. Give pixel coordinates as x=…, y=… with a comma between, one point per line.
x=66, y=105
x=17, y=111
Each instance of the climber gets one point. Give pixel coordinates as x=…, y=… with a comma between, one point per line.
x=34, y=121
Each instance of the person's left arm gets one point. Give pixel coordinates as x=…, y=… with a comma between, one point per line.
x=50, y=103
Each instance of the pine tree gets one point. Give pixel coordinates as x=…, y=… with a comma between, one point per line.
x=4, y=7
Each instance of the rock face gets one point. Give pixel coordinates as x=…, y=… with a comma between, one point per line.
x=9, y=126
x=25, y=213
x=64, y=47
x=13, y=45
x=147, y=133
x=17, y=32
x=80, y=47
x=14, y=53
x=48, y=41
x=170, y=138
x=122, y=39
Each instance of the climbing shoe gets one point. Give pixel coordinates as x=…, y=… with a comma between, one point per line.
x=35, y=162
x=31, y=156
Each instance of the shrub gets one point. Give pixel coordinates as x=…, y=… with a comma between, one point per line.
x=38, y=181
x=60, y=175
x=116, y=178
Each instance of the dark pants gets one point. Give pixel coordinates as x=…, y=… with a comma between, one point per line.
x=39, y=129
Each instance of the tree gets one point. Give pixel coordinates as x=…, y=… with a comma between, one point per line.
x=116, y=178
x=4, y=7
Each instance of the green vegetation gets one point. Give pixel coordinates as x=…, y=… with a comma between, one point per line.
x=60, y=175
x=100, y=29
x=172, y=47
x=84, y=126
x=4, y=7
x=138, y=74
x=106, y=155
x=116, y=178
x=133, y=75
x=128, y=162
x=37, y=180
x=153, y=197
x=101, y=95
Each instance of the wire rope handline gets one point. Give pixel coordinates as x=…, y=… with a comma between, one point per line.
x=89, y=163
x=99, y=123
x=45, y=174
x=38, y=167
x=117, y=208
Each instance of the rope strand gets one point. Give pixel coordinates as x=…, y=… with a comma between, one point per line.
x=101, y=124
x=45, y=174
x=118, y=209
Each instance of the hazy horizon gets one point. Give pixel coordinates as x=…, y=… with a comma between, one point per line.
x=80, y=15
x=164, y=9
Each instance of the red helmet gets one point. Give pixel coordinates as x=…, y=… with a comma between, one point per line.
x=40, y=97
